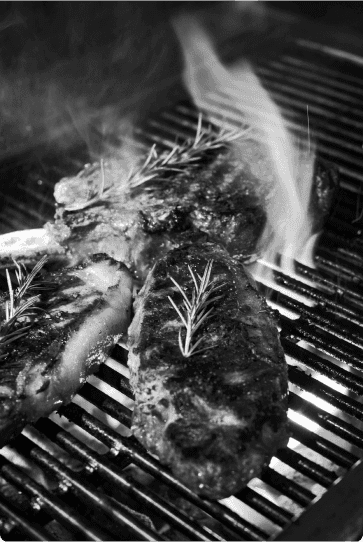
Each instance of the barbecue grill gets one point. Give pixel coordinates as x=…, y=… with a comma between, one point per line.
x=79, y=475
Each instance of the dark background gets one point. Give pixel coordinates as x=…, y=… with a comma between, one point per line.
x=68, y=66
x=344, y=14
x=338, y=24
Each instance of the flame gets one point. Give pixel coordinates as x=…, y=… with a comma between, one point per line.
x=287, y=170
x=283, y=163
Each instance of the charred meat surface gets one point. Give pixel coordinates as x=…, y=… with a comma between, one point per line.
x=211, y=404
x=223, y=199
x=82, y=311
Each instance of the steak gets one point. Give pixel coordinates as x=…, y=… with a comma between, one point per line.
x=223, y=200
x=77, y=318
x=215, y=193
x=211, y=398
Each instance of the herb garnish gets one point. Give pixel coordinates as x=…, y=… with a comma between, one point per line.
x=158, y=165
x=197, y=310
x=19, y=308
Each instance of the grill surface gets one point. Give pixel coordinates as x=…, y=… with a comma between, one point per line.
x=82, y=476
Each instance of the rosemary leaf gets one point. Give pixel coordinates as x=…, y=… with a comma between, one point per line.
x=193, y=277
x=197, y=310
x=26, y=280
x=182, y=293
x=18, y=308
x=178, y=311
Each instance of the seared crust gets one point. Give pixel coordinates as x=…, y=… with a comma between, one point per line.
x=84, y=312
x=217, y=417
x=222, y=199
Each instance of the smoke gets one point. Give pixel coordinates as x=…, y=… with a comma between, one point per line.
x=289, y=170
x=70, y=68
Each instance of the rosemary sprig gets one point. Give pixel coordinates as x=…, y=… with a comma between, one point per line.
x=197, y=310
x=157, y=165
x=187, y=154
x=19, y=308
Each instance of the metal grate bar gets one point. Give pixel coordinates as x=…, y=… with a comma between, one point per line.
x=113, y=474
x=287, y=487
x=275, y=513
x=30, y=529
x=350, y=256
x=343, y=402
x=90, y=495
x=226, y=113
x=332, y=327
x=115, y=379
x=226, y=117
x=301, y=78
x=348, y=293
x=139, y=456
x=299, y=329
x=220, y=105
x=323, y=366
x=332, y=77
x=322, y=446
x=323, y=300
x=318, y=364
x=293, y=121
x=318, y=104
x=10, y=494
x=307, y=467
x=318, y=318
x=350, y=247
x=251, y=498
x=54, y=506
x=327, y=421
x=332, y=258
x=221, y=111
x=334, y=269
x=108, y=405
x=300, y=463
x=339, y=428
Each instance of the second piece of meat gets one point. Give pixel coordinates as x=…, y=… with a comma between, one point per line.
x=211, y=402
x=81, y=313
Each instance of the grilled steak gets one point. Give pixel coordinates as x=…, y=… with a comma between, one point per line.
x=78, y=318
x=222, y=200
x=211, y=399
x=216, y=194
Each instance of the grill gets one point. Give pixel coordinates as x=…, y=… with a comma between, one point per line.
x=80, y=475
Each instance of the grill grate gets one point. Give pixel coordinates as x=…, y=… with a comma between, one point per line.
x=81, y=474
